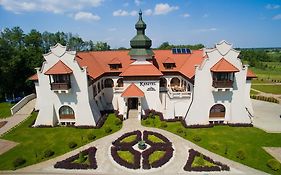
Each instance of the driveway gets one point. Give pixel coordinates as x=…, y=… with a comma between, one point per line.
x=267, y=116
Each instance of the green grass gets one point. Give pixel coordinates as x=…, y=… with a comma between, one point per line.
x=196, y=163
x=229, y=140
x=156, y=155
x=5, y=110
x=126, y=155
x=252, y=92
x=274, y=89
x=155, y=139
x=266, y=75
x=129, y=139
x=34, y=141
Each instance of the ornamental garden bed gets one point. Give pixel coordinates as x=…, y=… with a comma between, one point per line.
x=56, y=139
x=153, y=149
x=198, y=162
x=86, y=159
x=240, y=144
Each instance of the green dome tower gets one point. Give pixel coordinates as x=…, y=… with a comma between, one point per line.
x=140, y=44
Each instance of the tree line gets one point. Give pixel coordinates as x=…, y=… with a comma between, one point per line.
x=20, y=53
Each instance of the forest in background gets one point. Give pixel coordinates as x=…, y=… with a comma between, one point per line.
x=20, y=53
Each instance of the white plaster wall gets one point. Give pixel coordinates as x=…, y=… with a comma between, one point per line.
x=77, y=98
x=247, y=97
x=205, y=96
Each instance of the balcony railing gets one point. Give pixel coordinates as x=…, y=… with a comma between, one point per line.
x=222, y=83
x=118, y=89
x=185, y=94
x=60, y=86
x=67, y=116
x=163, y=89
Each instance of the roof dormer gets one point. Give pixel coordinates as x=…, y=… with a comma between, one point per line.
x=169, y=63
x=115, y=64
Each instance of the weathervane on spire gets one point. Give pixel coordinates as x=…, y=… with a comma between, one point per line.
x=140, y=14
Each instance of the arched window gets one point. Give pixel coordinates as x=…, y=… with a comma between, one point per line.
x=66, y=112
x=108, y=83
x=175, y=84
x=188, y=87
x=163, y=82
x=217, y=111
x=120, y=82
x=102, y=84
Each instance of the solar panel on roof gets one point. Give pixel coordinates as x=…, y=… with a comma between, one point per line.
x=181, y=51
x=188, y=51
x=174, y=50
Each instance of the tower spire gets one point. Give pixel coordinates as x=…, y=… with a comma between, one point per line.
x=140, y=44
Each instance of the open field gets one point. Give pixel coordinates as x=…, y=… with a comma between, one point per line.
x=273, y=89
x=227, y=141
x=5, y=109
x=34, y=141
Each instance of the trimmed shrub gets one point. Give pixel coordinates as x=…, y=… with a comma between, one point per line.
x=163, y=125
x=273, y=164
x=48, y=153
x=91, y=136
x=72, y=144
x=240, y=154
x=117, y=122
x=196, y=138
x=179, y=130
x=18, y=162
x=107, y=129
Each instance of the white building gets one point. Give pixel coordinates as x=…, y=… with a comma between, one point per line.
x=201, y=86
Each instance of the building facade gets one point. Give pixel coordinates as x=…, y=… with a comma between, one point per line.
x=201, y=86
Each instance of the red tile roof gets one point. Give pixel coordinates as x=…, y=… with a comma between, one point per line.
x=115, y=61
x=58, y=68
x=141, y=70
x=169, y=60
x=97, y=61
x=33, y=77
x=132, y=91
x=251, y=74
x=224, y=66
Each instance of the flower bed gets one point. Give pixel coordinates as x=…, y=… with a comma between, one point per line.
x=70, y=163
x=164, y=146
x=218, y=166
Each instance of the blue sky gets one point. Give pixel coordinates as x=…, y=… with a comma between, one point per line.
x=245, y=23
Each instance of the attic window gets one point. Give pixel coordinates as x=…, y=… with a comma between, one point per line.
x=115, y=66
x=169, y=65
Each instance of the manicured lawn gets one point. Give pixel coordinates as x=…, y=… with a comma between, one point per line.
x=252, y=92
x=5, y=109
x=197, y=163
x=126, y=155
x=156, y=155
x=227, y=141
x=129, y=139
x=274, y=89
x=155, y=139
x=34, y=141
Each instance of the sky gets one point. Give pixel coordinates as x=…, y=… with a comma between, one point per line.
x=244, y=23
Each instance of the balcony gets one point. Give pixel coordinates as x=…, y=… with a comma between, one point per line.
x=163, y=89
x=118, y=89
x=67, y=116
x=60, y=86
x=222, y=83
x=178, y=94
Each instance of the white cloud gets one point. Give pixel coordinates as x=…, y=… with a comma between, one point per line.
x=148, y=12
x=162, y=9
x=53, y=6
x=124, y=13
x=277, y=17
x=112, y=29
x=86, y=16
x=272, y=6
x=186, y=15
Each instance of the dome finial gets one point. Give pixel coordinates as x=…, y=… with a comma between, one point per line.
x=140, y=14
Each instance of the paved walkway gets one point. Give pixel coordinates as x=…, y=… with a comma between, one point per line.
x=106, y=164
x=6, y=145
x=18, y=117
x=267, y=116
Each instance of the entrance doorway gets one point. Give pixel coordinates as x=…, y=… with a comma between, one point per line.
x=132, y=103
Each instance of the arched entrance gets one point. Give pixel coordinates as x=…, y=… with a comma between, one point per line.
x=108, y=83
x=132, y=103
x=217, y=111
